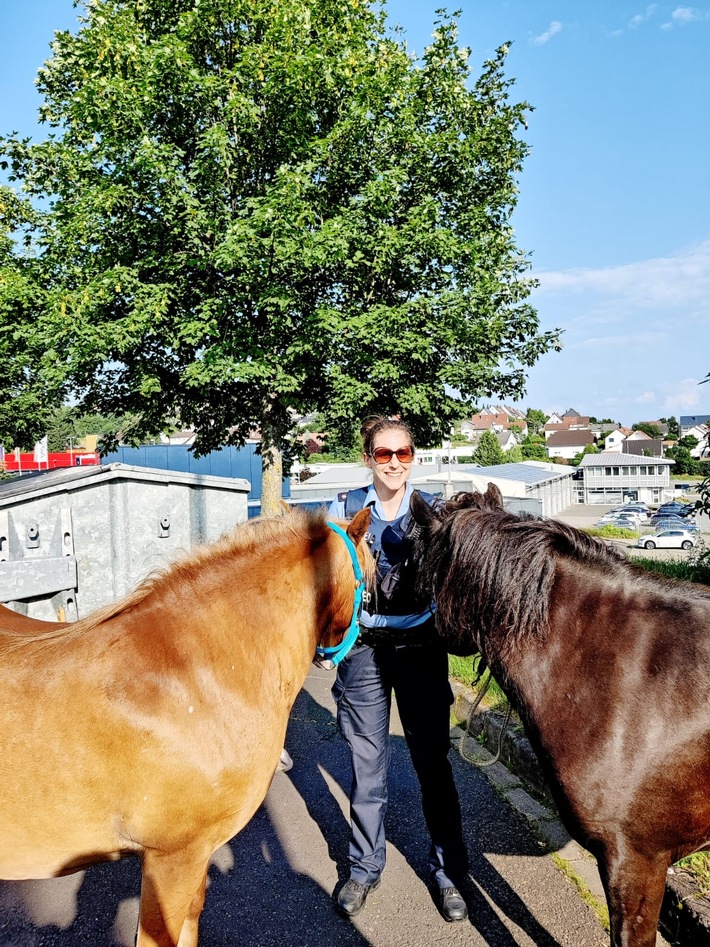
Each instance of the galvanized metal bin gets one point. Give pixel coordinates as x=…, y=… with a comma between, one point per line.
x=74, y=540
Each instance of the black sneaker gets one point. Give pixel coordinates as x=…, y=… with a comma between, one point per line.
x=452, y=905
x=353, y=895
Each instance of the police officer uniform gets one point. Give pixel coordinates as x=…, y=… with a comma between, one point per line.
x=398, y=650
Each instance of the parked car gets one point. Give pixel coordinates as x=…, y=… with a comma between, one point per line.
x=669, y=539
x=642, y=511
x=673, y=522
x=623, y=522
x=681, y=509
x=688, y=510
x=628, y=511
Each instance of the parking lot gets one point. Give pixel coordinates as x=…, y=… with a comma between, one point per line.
x=586, y=515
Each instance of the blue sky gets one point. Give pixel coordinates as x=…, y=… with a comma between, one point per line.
x=614, y=204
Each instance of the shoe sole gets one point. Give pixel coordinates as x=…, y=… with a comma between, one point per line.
x=454, y=920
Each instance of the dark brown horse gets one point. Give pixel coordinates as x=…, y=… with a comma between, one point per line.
x=609, y=669
x=154, y=727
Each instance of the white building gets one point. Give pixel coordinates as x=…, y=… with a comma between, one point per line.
x=534, y=486
x=615, y=478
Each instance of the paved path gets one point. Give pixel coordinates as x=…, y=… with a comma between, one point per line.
x=272, y=885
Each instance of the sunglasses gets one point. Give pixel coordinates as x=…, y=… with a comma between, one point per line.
x=383, y=455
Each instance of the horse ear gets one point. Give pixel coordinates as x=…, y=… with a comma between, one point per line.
x=359, y=525
x=422, y=513
x=493, y=495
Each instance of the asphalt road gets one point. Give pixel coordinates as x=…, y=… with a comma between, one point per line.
x=272, y=885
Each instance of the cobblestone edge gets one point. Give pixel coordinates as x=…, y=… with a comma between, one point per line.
x=685, y=914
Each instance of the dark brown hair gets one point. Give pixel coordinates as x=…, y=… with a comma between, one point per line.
x=372, y=426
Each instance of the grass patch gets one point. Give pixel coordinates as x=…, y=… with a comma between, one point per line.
x=671, y=568
x=466, y=670
x=599, y=907
x=611, y=532
x=699, y=867
x=696, y=568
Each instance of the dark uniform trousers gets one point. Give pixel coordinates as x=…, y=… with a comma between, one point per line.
x=418, y=675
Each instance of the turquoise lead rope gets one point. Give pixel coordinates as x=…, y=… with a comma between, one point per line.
x=338, y=652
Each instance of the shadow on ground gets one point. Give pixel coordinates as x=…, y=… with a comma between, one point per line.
x=256, y=897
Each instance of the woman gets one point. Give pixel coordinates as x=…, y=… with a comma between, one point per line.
x=398, y=650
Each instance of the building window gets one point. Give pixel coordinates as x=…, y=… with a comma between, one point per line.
x=607, y=471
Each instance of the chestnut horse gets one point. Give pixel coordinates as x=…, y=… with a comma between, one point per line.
x=154, y=727
x=14, y=621
x=609, y=668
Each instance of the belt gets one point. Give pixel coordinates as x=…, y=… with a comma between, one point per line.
x=417, y=635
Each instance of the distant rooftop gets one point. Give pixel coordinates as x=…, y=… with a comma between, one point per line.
x=609, y=458
x=529, y=472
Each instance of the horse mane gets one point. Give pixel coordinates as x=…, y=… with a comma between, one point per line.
x=492, y=571
x=188, y=570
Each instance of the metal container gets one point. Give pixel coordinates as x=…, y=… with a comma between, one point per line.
x=74, y=540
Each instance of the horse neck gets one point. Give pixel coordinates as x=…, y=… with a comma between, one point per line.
x=311, y=589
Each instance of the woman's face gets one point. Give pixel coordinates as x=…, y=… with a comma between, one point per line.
x=389, y=477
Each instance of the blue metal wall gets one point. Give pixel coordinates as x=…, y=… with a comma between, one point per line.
x=241, y=462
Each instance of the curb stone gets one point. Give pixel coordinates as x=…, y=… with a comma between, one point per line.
x=685, y=914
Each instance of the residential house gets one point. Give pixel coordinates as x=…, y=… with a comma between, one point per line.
x=615, y=439
x=571, y=420
x=600, y=431
x=688, y=421
x=506, y=440
x=495, y=419
x=568, y=443
x=640, y=444
x=616, y=478
x=702, y=433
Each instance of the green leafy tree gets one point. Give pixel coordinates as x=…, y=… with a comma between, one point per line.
x=673, y=427
x=535, y=420
x=690, y=441
x=25, y=404
x=514, y=455
x=588, y=449
x=653, y=430
x=684, y=462
x=533, y=448
x=489, y=451
x=249, y=207
x=66, y=426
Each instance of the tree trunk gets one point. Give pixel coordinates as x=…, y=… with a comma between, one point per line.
x=271, y=478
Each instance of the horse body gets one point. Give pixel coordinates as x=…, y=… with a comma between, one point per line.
x=609, y=668
x=10, y=619
x=155, y=727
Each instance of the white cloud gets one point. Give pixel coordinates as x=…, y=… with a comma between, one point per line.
x=681, y=16
x=647, y=397
x=637, y=20
x=682, y=396
x=681, y=281
x=685, y=15
x=553, y=29
x=639, y=339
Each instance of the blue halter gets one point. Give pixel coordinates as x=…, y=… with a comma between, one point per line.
x=337, y=653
